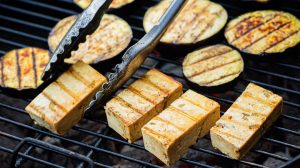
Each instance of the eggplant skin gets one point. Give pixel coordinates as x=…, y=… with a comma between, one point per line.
x=114, y=5
x=22, y=68
x=263, y=32
x=212, y=66
x=198, y=21
x=111, y=37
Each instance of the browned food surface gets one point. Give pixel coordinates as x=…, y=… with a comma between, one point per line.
x=22, y=68
x=199, y=20
x=213, y=65
x=262, y=32
x=115, y=3
x=111, y=37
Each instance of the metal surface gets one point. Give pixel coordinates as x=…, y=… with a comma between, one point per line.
x=28, y=23
x=86, y=23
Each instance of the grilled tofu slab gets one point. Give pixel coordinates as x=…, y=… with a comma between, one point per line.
x=140, y=102
x=22, y=68
x=115, y=3
x=213, y=65
x=198, y=21
x=246, y=121
x=169, y=135
x=263, y=32
x=111, y=37
x=61, y=105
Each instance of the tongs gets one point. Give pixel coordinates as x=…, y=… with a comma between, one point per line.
x=86, y=23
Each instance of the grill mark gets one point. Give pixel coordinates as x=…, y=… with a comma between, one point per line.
x=78, y=76
x=238, y=107
x=137, y=94
x=64, y=88
x=244, y=20
x=155, y=85
x=157, y=134
x=211, y=56
x=222, y=77
x=213, y=68
x=133, y=90
x=181, y=36
x=169, y=123
x=271, y=46
x=34, y=66
x=192, y=102
x=126, y=104
x=183, y=113
x=18, y=69
x=54, y=102
x=2, y=72
x=278, y=28
x=208, y=25
x=249, y=95
x=225, y=118
x=255, y=27
x=220, y=131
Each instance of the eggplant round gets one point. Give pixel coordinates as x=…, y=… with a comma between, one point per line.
x=198, y=21
x=213, y=66
x=263, y=32
x=22, y=68
x=111, y=37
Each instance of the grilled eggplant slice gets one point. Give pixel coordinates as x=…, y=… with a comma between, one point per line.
x=198, y=21
x=170, y=134
x=111, y=37
x=115, y=3
x=22, y=68
x=61, y=105
x=140, y=102
x=246, y=121
x=213, y=65
x=263, y=32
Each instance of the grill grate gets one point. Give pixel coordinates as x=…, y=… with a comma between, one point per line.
x=27, y=23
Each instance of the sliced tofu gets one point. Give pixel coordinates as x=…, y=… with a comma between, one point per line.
x=140, y=102
x=245, y=121
x=169, y=135
x=61, y=105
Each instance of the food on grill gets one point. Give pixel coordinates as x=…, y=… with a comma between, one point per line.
x=213, y=65
x=140, y=102
x=60, y=106
x=111, y=37
x=115, y=3
x=246, y=121
x=198, y=20
x=169, y=135
x=263, y=32
x=22, y=68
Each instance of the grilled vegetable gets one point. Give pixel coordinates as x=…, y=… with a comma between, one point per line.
x=22, y=68
x=140, y=102
x=199, y=20
x=115, y=3
x=245, y=121
x=111, y=37
x=213, y=65
x=60, y=106
x=263, y=32
x=169, y=135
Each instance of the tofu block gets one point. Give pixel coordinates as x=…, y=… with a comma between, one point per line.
x=246, y=121
x=61, y=105
x=140, y=102
x=170, y=134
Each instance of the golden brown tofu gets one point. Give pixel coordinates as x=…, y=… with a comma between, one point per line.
x=245, y=121
x=169, y=135
x=61, y=105
x=140, y=102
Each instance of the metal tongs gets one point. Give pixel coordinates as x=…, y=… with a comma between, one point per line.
x=87, y=22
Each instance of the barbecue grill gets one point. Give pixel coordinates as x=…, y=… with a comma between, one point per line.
x=93, y=144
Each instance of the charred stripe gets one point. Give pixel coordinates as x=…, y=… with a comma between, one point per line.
x=135, y=91
x=54, y=102
x=227, y=134
x=181, y=112
x=250, y=111
x=278, y=28
x=126, y=104
x=154, y=85
x=156, y=133
x=34, y=66
x=244, y=20
x=64, y=88
x=221, y=77
x=18, y=69
x=277, y=42
x=169, y=123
